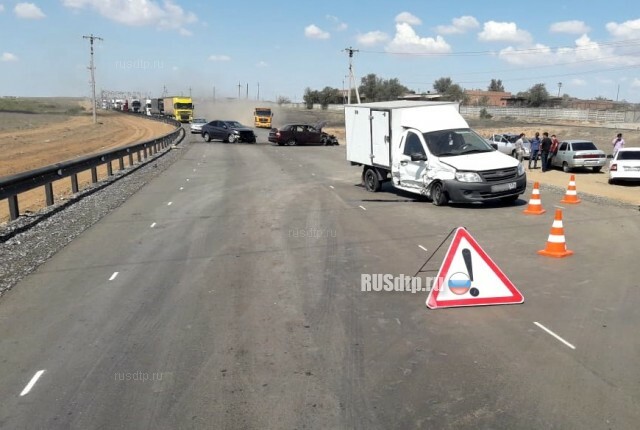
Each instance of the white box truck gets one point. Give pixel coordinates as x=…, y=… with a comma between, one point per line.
x=427, y=148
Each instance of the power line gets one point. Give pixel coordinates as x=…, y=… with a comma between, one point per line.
x=92, y=68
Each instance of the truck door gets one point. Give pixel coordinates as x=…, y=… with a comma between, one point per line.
x=380, y=138
x=411, y=171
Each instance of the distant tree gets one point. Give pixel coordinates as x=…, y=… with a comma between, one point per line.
x=442, y=85
x=375, y=89
x=281, y=100
x=310, y=97
x=329, y=96
x=496, y=85
x=538, y=95
x=601, y=98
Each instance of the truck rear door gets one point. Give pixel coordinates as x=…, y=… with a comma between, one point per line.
x=380, y=137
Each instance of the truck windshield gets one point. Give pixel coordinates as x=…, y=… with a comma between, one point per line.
x=461, y=141
x=263, y=112
x=183, y=106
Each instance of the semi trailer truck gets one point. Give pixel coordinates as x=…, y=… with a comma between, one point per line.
x=179, y=108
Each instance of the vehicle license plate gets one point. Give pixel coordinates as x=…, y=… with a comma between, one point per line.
x=503, y=187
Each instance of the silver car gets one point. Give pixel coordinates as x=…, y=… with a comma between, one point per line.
x=196, y=125
x=579, y=153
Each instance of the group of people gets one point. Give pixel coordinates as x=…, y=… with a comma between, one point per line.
x=546, y=148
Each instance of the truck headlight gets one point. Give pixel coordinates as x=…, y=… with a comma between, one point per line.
x=468, y=177
x=520, y=169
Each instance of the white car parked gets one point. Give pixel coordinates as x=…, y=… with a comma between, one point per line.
x=625, y=165
x=196, y=125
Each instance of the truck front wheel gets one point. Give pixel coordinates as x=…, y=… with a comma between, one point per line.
x=371, y=181
x=438, y=196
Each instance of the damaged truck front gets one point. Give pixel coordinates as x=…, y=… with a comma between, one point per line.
x=427, y=148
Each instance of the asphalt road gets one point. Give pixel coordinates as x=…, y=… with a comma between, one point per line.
x=226, y=294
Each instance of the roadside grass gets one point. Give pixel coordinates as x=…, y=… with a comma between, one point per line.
x=45, y=105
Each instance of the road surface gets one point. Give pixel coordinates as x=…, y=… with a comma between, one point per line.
x=227, y=294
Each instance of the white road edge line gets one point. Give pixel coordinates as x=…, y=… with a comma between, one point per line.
x=181, y=188
x=152, y=225
x=554, y=335
x=113, y=276
x=31, y=383
x=169, y=204
x=363, y=208
x=331, y=186
x=423, y=248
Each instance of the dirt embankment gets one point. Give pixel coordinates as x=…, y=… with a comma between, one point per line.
x=71, y=137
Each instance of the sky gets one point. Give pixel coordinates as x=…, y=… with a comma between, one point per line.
x=267, y=49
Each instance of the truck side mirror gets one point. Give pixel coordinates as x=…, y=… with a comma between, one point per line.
x=418, y=157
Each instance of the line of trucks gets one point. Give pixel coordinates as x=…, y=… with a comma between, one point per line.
x=176, y=107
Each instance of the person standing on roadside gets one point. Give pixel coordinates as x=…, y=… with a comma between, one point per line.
x=618, y=144
x=520, y=147
x=545, y=147
x=535, y=148
x=553, y=150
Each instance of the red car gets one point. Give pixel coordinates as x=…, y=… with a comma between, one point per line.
x=300, y=134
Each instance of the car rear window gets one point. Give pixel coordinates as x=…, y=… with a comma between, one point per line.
x=583, y=146
x=629, y=155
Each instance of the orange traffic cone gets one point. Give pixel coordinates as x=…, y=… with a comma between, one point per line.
x=571, y=196
x=535, y=204
x=556, y=245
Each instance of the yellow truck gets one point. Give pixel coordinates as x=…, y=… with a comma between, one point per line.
x=262, y=117
x=179, y=108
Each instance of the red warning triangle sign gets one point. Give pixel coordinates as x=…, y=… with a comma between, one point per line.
x=468, y=277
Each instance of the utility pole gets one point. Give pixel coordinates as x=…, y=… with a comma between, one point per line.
x=214, y=93
x=559, y=86
x=258, y=96
x=93, y=77
x=189, y=92
x=352, y=78
x=618, y=93
x=247, y=93
x=239, y=86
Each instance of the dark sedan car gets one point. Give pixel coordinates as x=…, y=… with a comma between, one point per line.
x=299, y=134
x=227, y=131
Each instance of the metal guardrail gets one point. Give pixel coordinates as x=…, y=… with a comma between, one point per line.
x=13, y=185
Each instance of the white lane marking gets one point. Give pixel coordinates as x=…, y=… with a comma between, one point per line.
x=169, y=204
x=331, y=186
x=31, y=383
x=363, y=208
x=313, y=174
x=113, y=276
x=194, y=170
x=152, y=225
x=423, y=248
x=181, y=188
x=187, y=179
x=554, y=335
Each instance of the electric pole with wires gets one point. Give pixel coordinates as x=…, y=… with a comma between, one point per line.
x=352, y=77
x=93, y=77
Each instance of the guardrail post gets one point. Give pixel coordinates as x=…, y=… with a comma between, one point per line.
x=109, y=168
x=74, y=183
x=94, y=175
x=145, y=152
x=14, y=211
x=121, y=163
x=48, y=193
x=130, y=160
x=138, y=155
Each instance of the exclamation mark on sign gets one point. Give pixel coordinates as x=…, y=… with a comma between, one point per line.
x=466, y=254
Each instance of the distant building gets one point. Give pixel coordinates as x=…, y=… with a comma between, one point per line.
x=487, y=98
x=592, y=104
